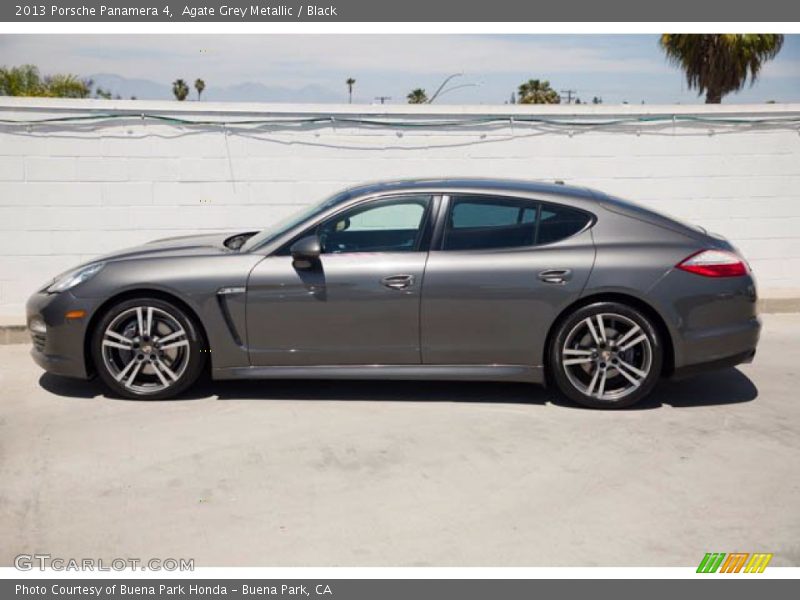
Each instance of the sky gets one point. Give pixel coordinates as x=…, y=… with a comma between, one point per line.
x=313, y=68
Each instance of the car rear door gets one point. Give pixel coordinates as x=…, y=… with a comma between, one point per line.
x=499, y=271
x=360, y=304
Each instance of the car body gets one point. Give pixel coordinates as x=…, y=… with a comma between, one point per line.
x=467, y=279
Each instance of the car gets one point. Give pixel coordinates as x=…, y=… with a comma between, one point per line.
x=450, y=279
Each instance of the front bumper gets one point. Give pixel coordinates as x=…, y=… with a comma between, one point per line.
x=60, y=349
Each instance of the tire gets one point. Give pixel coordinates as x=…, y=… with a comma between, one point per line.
x=613, y=367
x=133, y=364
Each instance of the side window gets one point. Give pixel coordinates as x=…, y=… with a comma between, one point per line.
x=559, y=222
x=389, y=225
x=482, y=222
x=485, y=222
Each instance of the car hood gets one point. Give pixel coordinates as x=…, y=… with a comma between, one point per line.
x=186, y=245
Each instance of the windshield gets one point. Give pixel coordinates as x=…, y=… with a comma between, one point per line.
x=293, y=220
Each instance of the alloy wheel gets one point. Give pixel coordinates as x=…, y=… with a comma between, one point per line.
x=607, y=356
x=145, y=349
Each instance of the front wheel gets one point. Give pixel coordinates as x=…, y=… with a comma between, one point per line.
x=606, y=355
x=147, y=348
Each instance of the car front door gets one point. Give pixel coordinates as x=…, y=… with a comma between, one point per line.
x=500, y=271
x=358, y=304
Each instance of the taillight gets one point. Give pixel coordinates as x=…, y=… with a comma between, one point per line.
x=714, y=263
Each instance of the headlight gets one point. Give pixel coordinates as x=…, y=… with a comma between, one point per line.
x=72, y=278
x=37, y=325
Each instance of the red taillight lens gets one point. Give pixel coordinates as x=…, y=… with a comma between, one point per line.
x=714, y=263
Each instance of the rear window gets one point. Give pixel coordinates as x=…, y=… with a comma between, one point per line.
x=486, y=222
x=559, y=222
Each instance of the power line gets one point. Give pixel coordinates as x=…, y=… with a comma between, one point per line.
x=402, y=121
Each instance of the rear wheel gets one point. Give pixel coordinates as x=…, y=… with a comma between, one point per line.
x=606, y=355
x=147, y=348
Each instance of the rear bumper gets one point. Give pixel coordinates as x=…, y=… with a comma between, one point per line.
x=713, y=322
x=720, y=344
x=60, y=349
x=714, y=365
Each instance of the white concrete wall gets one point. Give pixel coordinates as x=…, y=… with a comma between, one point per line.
x=69, y=192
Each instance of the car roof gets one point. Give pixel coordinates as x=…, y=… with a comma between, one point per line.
x=472, y=184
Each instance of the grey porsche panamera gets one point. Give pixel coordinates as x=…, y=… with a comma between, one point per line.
x=454, y=279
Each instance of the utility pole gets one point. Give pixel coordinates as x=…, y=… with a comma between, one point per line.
x=569, y=94
x=383, y=99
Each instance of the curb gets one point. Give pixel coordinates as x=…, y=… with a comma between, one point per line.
x=778, y=305
x=18, y=334
x=14, y=334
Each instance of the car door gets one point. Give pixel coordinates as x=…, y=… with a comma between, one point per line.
x=500, y=270
x=359, y=304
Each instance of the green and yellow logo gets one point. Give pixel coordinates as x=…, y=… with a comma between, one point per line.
x=735, y=562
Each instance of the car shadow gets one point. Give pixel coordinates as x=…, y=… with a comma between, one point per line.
x=729, y=386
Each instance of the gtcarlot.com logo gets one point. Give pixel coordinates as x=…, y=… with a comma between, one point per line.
x=735, y=562
x=28, y=562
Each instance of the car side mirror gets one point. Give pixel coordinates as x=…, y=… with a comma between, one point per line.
x=305, y=252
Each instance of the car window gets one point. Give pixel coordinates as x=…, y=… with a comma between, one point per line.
x=389, y=225
x=559, y=222
x=404, y=215
x=485, y=222
x=293, y=220
x=487, y=214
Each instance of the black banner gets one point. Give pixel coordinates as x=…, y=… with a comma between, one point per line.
x=711, y=586
x=407, y=10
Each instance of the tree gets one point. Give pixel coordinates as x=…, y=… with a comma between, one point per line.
x=180, y=89
x=417, y=96
x=350, y=83
x=66, y=86
x=199, y=85
x=719, y=64
x=597, y=100
x=27, y=81
x=535, y=91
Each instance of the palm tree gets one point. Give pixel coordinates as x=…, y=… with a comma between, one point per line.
x=535, y=91
x=350, y=83
x=66, y=86
x=417, y=96
x=180, y=89
x=199, y=85
x=27, y=81
x=20, y=81
x=719, y=64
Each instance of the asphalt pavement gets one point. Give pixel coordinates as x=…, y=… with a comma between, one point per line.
x=313, y=473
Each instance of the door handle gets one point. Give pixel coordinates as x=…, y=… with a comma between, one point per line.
x=555, y=275
x=398, y=282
